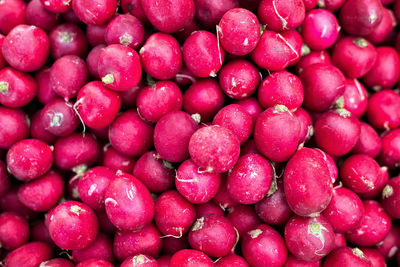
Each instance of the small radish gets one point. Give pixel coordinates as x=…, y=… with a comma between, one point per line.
x=101, y=248
x=252, y=106
x=95, y=34
x=306, y=124
x=14, y=230
x=39, y=16
x=355, y=98
x=129, y=97
x=190, y=258
x=208, y=208
x=278, y=15
x=209, y=13
x=94, y=12
x=39, y=132
x=382, y=110
x=135, y=8
x=346, y=256
x=390, y=244
x=45, y=92
x=377, y=191
x=140, y=260
x=10, y=202
x=126, y=30
x=105, y=224
x=5, y=182
x=223, y=199
x=383, y=31
x=331, y=5
x=68, y=39
x=390, y=153
x=312, y=58
x=13, y=13
x=171, y=245
x=17, y=126
x=391, y=198
x=92, y=60
x=231, y=260
x=374, y=256
x=28, y=255
x=243, y=218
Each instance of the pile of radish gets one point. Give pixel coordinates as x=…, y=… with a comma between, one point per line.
x=199, y=133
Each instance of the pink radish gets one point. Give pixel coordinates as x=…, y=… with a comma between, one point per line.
x=278, y=15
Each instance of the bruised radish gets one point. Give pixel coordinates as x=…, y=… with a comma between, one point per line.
x=391, y=197
x=190, y=258
x=28, y=255
x=243, y=218
x=14, y=230
x=278, y=15
x=382, y=110
x=390, y=153
x=346, y=256
x=100, y=248
x=126, y=30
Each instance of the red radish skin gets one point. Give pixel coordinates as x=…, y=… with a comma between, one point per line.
x=17, y=126
x=94, y=12
x=190, y=258
x=309, y=239
x=163, y=261
x=22, y=57
x=390, y=153
x=376, y=258
x=30, y=254
x=250, y=180
x=75, y=150
x=374, y=226
x=105, y=224
x=355, y=98
x=156, y=100
x=278, y=15
x=68, y=39
x=273, y=209
x=312, y=58
x=223, y=199
x=184, y=77
x=205, y=149
x=92, y=60
x=171, y=245
x=243, y=218
x=161, y=56
x=130, y=135
x=345, y=211
x=264, y=246
x=204, y=97
x=281, y=88
x=39, y=232
x=202, y=54
x=126, y=30
x=390, y=245
x=101, y=248
x=3, y=62
x=57, y=262
x=10, y=202
x=340, y=240
x=94, y=263
x=173, y=214
x=208, y=208
x=322, y=84
x=360, y=173
x=129, y=243
x=119, y=67
x=45, y=92
x=128, y=203
x=238, y=31
x=276, y=51
x=271, y=141
x=97, y=105
x=95, y=33
x=346, y=256
x=377, y=191
x=196, y=186
x=140, y=260
x=72, y=225
x=330, y=162
x=5, y=182
x=38, y=131
x=294, y=262
x=174, y=145
x=29, y=159
x=209, y=13
x=306, y=124
x=135, y=8
x=185, y=32
x=382, y=110
x=129, y=97
x=382, y=32
x=16, y=88
x=43, y=193
x=157, y=175
x=12, y=13
x=67, y=75
x=390, y=197
x=37, y=15
x=14, y=230
x=386, y=70
x=331, y=5
x=337, y=127
x=252, y=106
x=369, y=142
x=231, y=260
x=56, y=6
x=214, y=235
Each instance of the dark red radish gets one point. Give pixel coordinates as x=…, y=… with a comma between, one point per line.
x=223, y=199
x=243, y=218
x=174, y=145
x=231, y=260
x=126, y=30
x=39, y=16
x=56, y=6
x=390, y=152
x=5, y=182
x=140, y=260
x=105, y=224
x=209, y=13
x=271, y=141
x=119, y=67
x=204, y=97
x=190, y=258
x=19, y=55
x=95, y=263
x=171, y=245
x=337, y=127
x=45, y=91
x=129, y=97
x=174, y=215
x=214, y=149
x=10, y=202
x=202, y=54
x=354, y=99
x=323, y=84
x=208, y=208
x=57, y=262
x=346, y=256
x=95, y=33
x=184, y=77
x=37, y=130
x=214, y=235
x=331, y=5
x=386, y=70
x=17, y=126
x=186, y=31
x=391, y=198
x=68, y=39
x=345, y=211
x=382, y=110
x=382, y=32
x=128, y=243
x=312, y=58
x=306, y=124
x=92, y=60
x=281, y=15
x=292, y=261
x=169, y=15
x=39, y=232
x=135, y=8
x=340, y=240
x=374, y=226
x=94, y=12
x=101, y=248
x=161, y=56
x=390, y=244
x=14, y=230
x=128, y=202
x=376, y=258
x=28, y=255
x=16, y=88
x=274, y=209
x=12, y=13
x=307, y=182
x=196, y=186
x=264, y=246
x=130, y=135
x=97, y=105
x=376, y=192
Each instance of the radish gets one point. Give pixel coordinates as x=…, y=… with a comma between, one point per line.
x=274, y=209
x=186, y=31
x=214, y=149
x=243, y=218
x=140, y=260
x=68, y=39
x=309, y=239
x=92, y=60
x=171, y=245
x=161, y=56
x=72, y=225
x=37, y=130
x=214, y=235
x=337, y=127
x=105, y=225
x=45, y=92
x=196, y=186
x=355, y=98
x=57, y=262
x=382, y=32
x=307, y=182
x=377, y=191
x=306, y=124
x=163, y=261
x=129, y=97
x=94, y=263
x=95, y=34
x=208, y=208
x=312, y=58
x=28, y=255
x=333, y=170
x=223, y=199
x=382, y=110
x=202, y=54
x=10, y=202
x=5, y=182
x=168, y=15
x=295, y=262
x=14, y=230
x=345, y=211
x=190, y=258
x=231, y=260
x=281, y=88
x=94, y=12
x=39, y=16
x=19, y=55
x=390, y=153
x=263, y=246
x=56, y=6
x=129, y=243
x=390, y=244
x=390, y=197
x=184, y=77
x=3, y=62
x=347, y=257
x=126, y=30
x=340, y=240
x=17, y=126
x=135, y=8
x=252, y=106
x=12, y=13
x=331, y=5
x=209, y=13
x=39, y=232
x=101, y=248
x=374, y=226
x=354, y=56
x=174, y=215
x=279, y=15
x=205, y=98
x=271, y=141
x=128, y=202
x=376, y=258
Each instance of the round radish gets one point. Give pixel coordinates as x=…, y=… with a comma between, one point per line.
x=10, y=202
x=28, y=255
x=101, y=248
x=39, y=132
x=45, y=92
x=346, y=256
x=14, y=230
x=171, y=245
x=355, y=98
x=252, y=106
x=117, y=161
x=231, y=260
x=331, y=5
x=95, y=33
x=57, y=262
x=126, y=30
x=369, y=142
x=306, y=124
x=390, y=153
x=92, y=60
x=190, y=258
x=376, y=258
x=13, y=13
x=39, y=16
x=382, y=110
x=390, y=197
x=105, y=224
x=135, y=8
x=140, y=260
x=278, y=15
x=17, y=126
x=209, y=13
x=95, y=263
x=243, y=218
x=68, y=39
x=94, y=11
x=383, y=31
x=56, y=6
x=129, y=97
x=390, y=244
x=312, y=58
x=295, y=262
